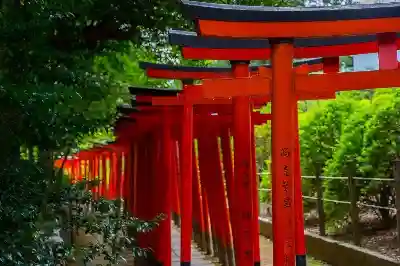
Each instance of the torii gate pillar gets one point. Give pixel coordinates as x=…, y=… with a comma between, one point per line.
x=283, y=97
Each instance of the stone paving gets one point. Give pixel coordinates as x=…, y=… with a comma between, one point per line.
x=199, y=259
x=266, y=251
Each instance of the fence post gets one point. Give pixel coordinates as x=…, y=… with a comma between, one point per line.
x=320, y=203
x=354, y=211
x=396, y=174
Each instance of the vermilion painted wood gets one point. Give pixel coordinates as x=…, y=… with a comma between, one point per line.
x=224, y=88
x=337, y=50
x=120, y=180
x=297, y=29
x=96, y=165
x=174, y=181
x=202, y=73
x=207, y=174
x=123, y=172
x=229, y=179
x=230, y=54
x=133, y=175
x=195, y=200
x=150, y=123
x=300, y=246
x=154, y=175
x=331, y=65
x=139, y=172
x=113, y=175
x=186, y=184
x=219, y=109
x=258, y=103
x=313, y=68
x=242, y=172
x=98, y=188
x=71, y=167
x=256, y=200
x=74, y=169
x=67, y=169
x=282, y=155
x=86, y=168
x=104, y=180
x=147, y=123
x=94, y=172
x=106, y=165
x=177, y=101
x=259, y=86
x=76, y=166
x=165, y=183
x=110, y=176
x=225, y=54
x=205, y=115
x=90, y=167
x=220, y=182
x=142, y=189
x=147, y=189
x=387, y=50
x=200, y=100
x=80, y=172
x=194, y=98
x=163, y=191
x=198, y=215
x=221, y=124
x=127, y=179
x=265, y=54
x=350, y=80
x=216, y=189
x=217, y=220
x=58, y=163
x=206, y=218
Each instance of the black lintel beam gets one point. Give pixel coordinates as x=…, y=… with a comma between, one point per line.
x=191, y=39
x=126, y=110
x=241, y=13
x=148, y=65
x=143, y=91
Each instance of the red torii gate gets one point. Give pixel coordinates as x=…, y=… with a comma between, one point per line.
x=187, y=100
x=196, y=47
x=165, y=71
x=86, y=164
x=97, y=148
x=282, y=26
x=157, y=119
x=382, y=18
x=213, y=48
x=259, y=85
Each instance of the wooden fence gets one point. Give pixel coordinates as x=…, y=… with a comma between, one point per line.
x=354, y=201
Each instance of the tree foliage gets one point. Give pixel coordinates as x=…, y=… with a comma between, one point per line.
x=65, y=66
x=357, y=135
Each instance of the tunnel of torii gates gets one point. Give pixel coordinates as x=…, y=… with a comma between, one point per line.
x=162, y=124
